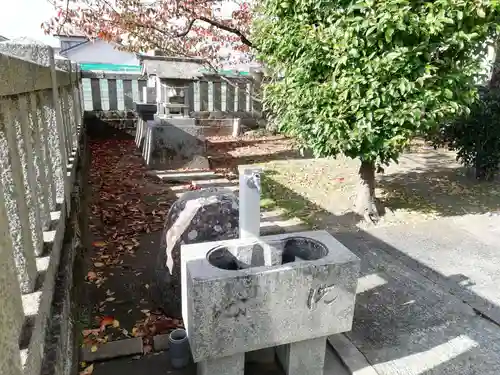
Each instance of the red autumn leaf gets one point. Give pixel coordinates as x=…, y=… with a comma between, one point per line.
x=158, y=24
x=106, y=321
x=164, y=325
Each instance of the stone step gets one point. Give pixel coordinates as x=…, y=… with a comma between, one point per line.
x=220, y=183
x=181, y=175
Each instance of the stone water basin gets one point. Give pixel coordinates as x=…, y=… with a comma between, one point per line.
x=243, y=295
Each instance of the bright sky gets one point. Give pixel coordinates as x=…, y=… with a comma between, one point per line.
x=20, y=18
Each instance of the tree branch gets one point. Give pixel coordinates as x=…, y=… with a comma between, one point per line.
x=219, y=25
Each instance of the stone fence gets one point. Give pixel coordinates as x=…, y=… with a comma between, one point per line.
x=42, y=158
x=108, y=91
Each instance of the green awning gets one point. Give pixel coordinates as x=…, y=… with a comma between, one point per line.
x=110, y=67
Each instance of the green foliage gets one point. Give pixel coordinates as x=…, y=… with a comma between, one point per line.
x=364, y=77
x=476, y=137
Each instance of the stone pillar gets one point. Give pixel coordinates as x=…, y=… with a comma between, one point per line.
x=11, y=313
x=32, y=190
x=236, y=122
x=242, y=97
x=232, y=365
x=249, y=214
x=196, y=96
x=66, y=119
x=18, y=214
x=53, y=150
x=43, y=166
x=113, y=95
x=60, y=126
x=230, y=97
x=128, y=95
x=217, y=96
x=211, y=96
x=204, y=96
x=303, y=357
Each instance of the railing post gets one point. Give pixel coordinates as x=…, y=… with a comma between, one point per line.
x=76, y=100
x=11, y=177
x=43, y=167
x=60, y=127
x=11, y=311
x=33, y=191
x=43, y=148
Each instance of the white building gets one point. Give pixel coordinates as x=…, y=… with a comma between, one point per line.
x=77, y=47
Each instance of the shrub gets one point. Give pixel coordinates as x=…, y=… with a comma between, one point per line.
x=476, y=137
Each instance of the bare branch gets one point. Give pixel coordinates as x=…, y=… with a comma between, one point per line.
x=219, y=25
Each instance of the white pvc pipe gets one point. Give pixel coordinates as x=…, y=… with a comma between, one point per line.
x=249, y=216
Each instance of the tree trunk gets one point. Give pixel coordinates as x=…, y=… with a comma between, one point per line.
x=365, y=204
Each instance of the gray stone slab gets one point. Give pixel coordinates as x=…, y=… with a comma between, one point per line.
x=406, y=324
x=349, y=355
x=333, y=364
x=181, y=176
x=285, y=288
x=113, y=349
x=460, y=254
x=161, y=342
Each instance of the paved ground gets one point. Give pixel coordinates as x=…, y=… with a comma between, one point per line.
x=459, y=253
x=427, y=301
x=405, y=323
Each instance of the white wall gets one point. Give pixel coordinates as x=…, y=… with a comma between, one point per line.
x=101, y=52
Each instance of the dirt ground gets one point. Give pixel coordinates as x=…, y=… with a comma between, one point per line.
x=424, y=185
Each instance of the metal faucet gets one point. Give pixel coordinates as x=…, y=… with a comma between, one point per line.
x=253, y=181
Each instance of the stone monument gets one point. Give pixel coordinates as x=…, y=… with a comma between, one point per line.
x=287, y=291
x=197, y=216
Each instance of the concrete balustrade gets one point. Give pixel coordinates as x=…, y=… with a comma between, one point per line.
x=40, y=144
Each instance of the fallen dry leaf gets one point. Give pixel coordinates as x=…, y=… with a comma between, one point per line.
x=99, y=244
x=88, y=370
x=89, y=332
x=98, y=264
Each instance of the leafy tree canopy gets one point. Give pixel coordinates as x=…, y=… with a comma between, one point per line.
x=363, y=77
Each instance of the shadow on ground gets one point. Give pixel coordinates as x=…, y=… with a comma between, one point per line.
x=444, y=191
x=404, y=322
x=229, y=152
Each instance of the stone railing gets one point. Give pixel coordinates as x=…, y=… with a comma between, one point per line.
x=40, y=163
x=108, y=91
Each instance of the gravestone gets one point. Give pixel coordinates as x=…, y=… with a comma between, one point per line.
x=172, y=143
x=197, y=216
